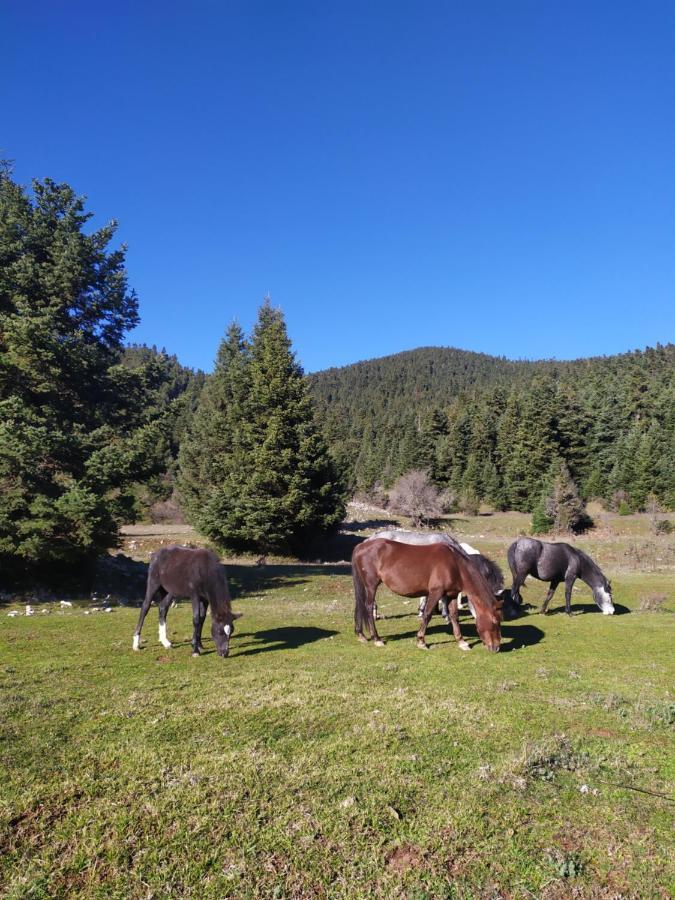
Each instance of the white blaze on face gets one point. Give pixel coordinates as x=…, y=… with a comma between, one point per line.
x=606, y=604
x=228, y=630
x=137, y=642
x=163, y=639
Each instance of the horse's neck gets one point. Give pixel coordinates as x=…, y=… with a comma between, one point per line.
x=590, y=573
x=473, y=588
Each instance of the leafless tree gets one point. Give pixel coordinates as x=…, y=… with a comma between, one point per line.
x=415, y=495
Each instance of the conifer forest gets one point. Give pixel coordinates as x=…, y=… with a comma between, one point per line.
x=258, y=455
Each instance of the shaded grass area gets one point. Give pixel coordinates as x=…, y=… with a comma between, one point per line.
x=308, y=765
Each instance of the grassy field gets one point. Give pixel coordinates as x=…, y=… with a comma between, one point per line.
x=307, y=765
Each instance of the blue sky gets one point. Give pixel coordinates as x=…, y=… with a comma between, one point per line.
x=486, y=175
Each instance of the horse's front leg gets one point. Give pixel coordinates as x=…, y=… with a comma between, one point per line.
x=551, y=591
x=164, y=605
x=429, y=606
x=454, y=621
x=152, y=590
x=198, y=616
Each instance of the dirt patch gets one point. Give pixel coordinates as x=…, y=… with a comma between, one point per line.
x=406, y=857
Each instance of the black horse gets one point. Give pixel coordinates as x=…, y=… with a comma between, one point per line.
x=556, y=563
x=181, y=572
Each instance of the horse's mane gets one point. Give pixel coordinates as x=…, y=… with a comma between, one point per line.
x=587, y=559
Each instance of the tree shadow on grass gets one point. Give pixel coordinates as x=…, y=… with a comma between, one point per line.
x=248, y=581
x=375, y=524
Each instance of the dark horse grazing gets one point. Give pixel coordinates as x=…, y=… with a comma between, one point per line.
x=434, y=570
x=181, y=572
x=556, y=563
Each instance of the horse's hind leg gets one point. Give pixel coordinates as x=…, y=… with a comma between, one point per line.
x=518, y=582
x=164, y=605
x=153, y=588
x=432, y=599
x=454, y=621
x=569, y=581
x=370, y=616
x=551, y=591
x=198, y=616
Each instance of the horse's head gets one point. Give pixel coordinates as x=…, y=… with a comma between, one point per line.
x=222, y=632
x=602, y=594
x=488, y=624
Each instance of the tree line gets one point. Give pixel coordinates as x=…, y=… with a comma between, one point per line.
x=259, y=456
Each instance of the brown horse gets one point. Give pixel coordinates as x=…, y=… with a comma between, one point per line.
x=434, y=570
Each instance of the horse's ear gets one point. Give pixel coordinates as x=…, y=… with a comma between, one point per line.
x=237, y=615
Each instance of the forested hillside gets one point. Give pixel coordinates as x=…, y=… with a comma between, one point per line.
x=493, y=428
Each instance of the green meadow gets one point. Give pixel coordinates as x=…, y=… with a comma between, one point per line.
x=308, y=765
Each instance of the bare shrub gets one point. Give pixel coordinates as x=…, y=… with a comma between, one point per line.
x=167, y=512
x=657, y=523
x=416, y=496
x=652, y=602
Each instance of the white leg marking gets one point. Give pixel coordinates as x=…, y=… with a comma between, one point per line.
x=137, y=642
x=163, y=639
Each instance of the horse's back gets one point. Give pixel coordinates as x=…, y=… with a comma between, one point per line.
x=185, y=570
x=545, y=561
x=407, y=569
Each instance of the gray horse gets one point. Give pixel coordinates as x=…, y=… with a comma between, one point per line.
x=555, y=563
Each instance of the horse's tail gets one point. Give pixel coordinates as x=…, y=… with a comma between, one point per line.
x=360, y=616
x=511, y=557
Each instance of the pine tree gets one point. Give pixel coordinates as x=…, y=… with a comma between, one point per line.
x=214, y=451
x=562, y=505
x=74, y=429
x=270, y=484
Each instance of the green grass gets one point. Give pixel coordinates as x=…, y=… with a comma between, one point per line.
x=308, y=765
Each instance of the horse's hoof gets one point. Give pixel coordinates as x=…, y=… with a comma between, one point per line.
x=379, y=643
x=362, y=638
x=421, y=645
x=196, y=654
x=463, y=645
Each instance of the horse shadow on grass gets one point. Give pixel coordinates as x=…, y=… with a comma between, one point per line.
x=288, y=637
x=578, y=608
x=523, y=635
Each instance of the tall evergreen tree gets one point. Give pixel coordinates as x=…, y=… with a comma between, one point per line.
x=214, y=450
x=269, y=482
x=74, y=430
